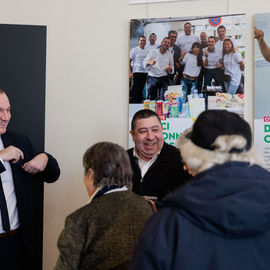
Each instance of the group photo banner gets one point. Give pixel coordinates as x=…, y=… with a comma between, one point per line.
x=261, y=88
x=179, y=67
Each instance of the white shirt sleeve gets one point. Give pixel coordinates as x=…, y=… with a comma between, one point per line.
x=146, y=59
x=237, y=57
x=185, y=59
x=132, y=53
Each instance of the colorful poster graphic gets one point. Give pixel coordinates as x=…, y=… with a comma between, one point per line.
x=180, y=67
x=261, y=86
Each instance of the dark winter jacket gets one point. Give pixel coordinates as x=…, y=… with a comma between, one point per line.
x=220, y=220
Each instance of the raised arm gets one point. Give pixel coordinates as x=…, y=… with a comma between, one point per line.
x=259, y=35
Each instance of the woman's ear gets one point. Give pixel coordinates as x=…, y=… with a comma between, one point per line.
x=91, y=175
x=89, y=182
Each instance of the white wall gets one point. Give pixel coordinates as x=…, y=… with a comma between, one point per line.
x=87, y=81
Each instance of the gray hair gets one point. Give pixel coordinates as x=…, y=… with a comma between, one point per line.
x=199, y=159
x=110, y=163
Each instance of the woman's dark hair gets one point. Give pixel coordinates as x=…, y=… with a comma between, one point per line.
x=199, y=56
x=110, y=163
x=232, y=49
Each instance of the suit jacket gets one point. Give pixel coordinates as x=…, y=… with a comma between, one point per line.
x=29, y=194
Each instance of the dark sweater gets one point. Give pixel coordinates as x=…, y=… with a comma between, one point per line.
x=165, y=174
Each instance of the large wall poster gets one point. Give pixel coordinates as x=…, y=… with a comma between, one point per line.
x=168, y=76
x=261, y=86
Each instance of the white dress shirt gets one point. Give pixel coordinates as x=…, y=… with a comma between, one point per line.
x=162, y=61
x=144, y=165
x=9, y=191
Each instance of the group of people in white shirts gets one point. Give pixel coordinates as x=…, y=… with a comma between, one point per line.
x=220, y=61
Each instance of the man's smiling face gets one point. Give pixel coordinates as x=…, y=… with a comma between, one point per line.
x=4, y=113
x=147, y=137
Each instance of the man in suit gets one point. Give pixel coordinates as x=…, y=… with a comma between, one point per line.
x=22, y=170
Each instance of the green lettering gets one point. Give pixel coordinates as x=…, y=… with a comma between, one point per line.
x=165, y=135
x=267, y=138
x=266, y=128
x=171, y=136
x=165, y=126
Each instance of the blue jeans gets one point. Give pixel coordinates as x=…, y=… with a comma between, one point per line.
x=212, y=74
x=157, y=83
x=188, y=87
x=231, y=88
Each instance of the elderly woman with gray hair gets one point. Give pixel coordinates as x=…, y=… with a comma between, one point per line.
x=103, y=233
x=221, y=219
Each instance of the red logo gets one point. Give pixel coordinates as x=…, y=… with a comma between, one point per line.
x=266, y=119
x=162, y=117
x=215, y=21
